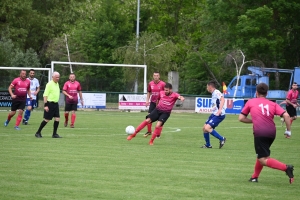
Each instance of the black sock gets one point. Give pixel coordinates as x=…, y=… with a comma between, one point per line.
x=55, y=126
x=42, y=126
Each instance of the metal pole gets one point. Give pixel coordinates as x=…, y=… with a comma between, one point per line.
x=137, y=42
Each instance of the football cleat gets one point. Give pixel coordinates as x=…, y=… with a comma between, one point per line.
x=17, y=128
x=253, y=180
x=6, y=123
x=147, y=134
x=222, y=143
x=289, y=172
x=56, y=136
x=38, y=135
x=66, y=124
x=151, y=143
x=72, y=126
x=206, y=147
x=130, y=137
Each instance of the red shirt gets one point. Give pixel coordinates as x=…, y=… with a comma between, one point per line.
x=166, y=103
x=72, y=89
x=262, y=113
x=292, y=96
x=155, y=88
x=21, y=87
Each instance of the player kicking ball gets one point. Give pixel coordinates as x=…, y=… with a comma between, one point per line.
x=161, y=113
x=262, y=113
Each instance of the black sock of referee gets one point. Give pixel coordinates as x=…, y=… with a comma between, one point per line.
x=55, y=126
x=42, y=126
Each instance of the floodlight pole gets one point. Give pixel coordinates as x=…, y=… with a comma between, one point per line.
x=137, y=42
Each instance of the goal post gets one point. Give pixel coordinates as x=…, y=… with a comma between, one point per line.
x=29, y=68
x=105, y=65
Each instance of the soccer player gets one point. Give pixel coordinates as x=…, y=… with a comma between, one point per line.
x=154, y=88
x=264, y=130
x=217, y=116
x=71, y=89
x=34, y=89
x=291, y=104
x=161, y=113
x=21, y=87
x=51, y=107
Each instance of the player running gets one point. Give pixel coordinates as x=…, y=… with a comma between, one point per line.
x=21, y=86
x=291, y=104
x=71, y=89
x=34, y=89
x=217, y=116
x=154, y=88
x=161, y=113
x=264, y=130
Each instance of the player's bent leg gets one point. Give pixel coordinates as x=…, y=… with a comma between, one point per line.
x=19, y=119
x=139, y=128
x=149, y=128
x=55, y=126
x=73, y=118
x=157, y=131
x=66, y=118
x=206, y=128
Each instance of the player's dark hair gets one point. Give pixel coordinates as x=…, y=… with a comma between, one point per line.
x=156, y=72
x=212, y=83
x=294, y=83
x=72, y=73
x=262, y=89
x=168, y=85
x=31, y=70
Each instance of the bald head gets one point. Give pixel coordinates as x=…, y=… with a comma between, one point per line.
x=55, y=77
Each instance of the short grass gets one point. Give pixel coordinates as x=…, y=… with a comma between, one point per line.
x=95, y=161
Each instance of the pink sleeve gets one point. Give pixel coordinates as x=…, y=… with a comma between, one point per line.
x=149, y=88
x=13, y=83
x=289, y=95
x=246, y=109
x=65, y=86
x=177, y=95
x=79, y=87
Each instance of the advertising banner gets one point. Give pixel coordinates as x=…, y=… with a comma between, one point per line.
x=5, y=99
x=93, y=100
x=282, y=104
x=132, y=101
x=233, y=106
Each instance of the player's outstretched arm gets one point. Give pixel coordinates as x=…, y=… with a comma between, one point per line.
x=244, y=119
x=181, y=98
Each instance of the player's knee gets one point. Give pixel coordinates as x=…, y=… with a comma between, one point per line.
x=148, y=120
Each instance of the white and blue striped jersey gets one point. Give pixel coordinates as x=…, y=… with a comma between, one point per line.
x=34, y=84
x=215, y=102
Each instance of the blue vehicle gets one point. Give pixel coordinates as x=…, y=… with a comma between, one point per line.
x=246, y=86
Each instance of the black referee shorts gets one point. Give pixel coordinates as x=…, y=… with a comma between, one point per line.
x=53, y=111
x=262, y=146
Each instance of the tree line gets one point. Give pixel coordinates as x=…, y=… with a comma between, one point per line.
x=193, y=37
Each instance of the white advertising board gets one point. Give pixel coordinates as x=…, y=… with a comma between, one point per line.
x=93, y=100
x=132, y=101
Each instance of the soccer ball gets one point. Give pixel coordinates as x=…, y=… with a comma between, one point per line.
x=129, y=130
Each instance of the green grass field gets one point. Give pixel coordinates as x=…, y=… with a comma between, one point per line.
x=95, y=161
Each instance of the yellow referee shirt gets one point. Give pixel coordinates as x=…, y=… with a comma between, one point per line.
x=52, y=91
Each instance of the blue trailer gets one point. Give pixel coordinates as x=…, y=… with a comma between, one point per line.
x=246, y=86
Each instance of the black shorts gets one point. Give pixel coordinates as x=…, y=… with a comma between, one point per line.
x=291, y=111
x=53, y=111
x=18, y=105
x=151, y=108
x=70, y=107
x=157, y=115
x=262, y=146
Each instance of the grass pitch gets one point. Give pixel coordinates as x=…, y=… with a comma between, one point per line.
x=95, y=161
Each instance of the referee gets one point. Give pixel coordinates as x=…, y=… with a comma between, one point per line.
x=51, y=108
